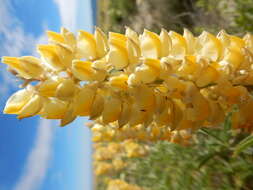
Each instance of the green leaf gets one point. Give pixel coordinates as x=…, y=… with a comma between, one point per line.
x=215, y=137
x=204, y=159
x=228, y=123
x=244, y=144
x=228, y=119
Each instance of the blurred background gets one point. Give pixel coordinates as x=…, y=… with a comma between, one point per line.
x=235, y=16
x=36, y=154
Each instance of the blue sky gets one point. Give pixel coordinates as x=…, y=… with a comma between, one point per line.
x=36, y=154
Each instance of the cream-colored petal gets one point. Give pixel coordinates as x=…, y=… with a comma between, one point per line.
x=134, y=52
x=66, y=89
x=86, y=45
x=82, y=70
x=211, y=47
x=50, y=56
x=66, y=55
x=119, y=82
x=97, y=106
x=17, y=101
x=190, y=41
x=48, y=87
x=166, y=43
x=83, y=101
x=53, y=108
x=132, y=35
x=27, y=67
x=125, y=113
x=117, y=57
x=101, y=42
x=112, y=109
x=146, y=74
x=150, y=45
x=179, y=45
x=31, y=108
x=69, y=116
x=55, y=37
x=69, y=38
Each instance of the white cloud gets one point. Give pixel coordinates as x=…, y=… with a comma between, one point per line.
x=68, y=13
x=38, y=159
x=14, y=42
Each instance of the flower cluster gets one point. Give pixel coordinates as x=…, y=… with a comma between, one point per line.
x=111, y=157
x=178, y=81
x=117, y=184
x=152, y=133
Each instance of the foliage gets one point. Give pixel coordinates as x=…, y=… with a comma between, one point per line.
x=140, y=14
x=206, y=164
x=235, y=16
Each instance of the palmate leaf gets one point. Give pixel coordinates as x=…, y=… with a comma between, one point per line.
x=243, y=145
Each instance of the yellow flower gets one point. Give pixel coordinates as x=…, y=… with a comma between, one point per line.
x=50, y=55
x=53, y=109
x=150, y=45
x=83, y=101
x=17, y=101
x=86, y=45
x=27, y=67
x=159, y=82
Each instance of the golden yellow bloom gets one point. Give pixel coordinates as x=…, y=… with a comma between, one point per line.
x=27, y=67
x=17, y=101
x=164, y=83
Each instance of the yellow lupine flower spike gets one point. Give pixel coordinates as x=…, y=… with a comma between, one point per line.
x=172, y=81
